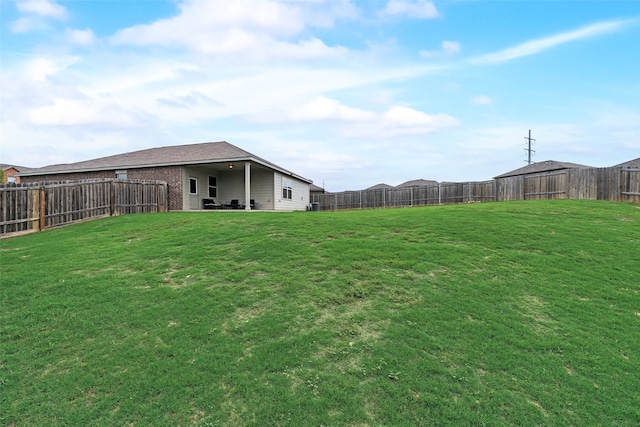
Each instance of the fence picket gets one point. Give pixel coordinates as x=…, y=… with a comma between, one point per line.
x=38, y=206
x=615, y=184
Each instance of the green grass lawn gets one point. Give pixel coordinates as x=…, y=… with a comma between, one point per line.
x=518, y=313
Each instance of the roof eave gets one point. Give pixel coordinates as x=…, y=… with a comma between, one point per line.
x=156, y=165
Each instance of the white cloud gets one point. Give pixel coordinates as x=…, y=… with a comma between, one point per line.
x=74, y=112
x=538, y=45
x=481, y=100
x=450, y=48
x=356, y=122
x=447, y=48
x=250, y=29
x=422, y=9
x=400, y=120
x=38, y=69
x=36, y=13
x=26, y=24
x=47, y=8
x=329, y=109
x=80, y=37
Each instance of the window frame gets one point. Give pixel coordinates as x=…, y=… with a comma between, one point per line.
x=193, y=181
x=214, y=193
x=287, y=188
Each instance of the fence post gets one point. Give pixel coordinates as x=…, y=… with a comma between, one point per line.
x=42, y=225
x=112, y=195
x=157, y=197
x=619, y=185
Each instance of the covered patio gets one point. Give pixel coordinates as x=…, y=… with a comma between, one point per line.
x=229, y=185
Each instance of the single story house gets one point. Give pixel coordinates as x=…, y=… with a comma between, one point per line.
x=10, y=174
x=199, y=176
x=541, y=167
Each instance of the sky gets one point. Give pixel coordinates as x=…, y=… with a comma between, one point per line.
x=347, y=93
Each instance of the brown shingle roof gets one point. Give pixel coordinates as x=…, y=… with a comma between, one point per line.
x=546, y=166
x=208, y=152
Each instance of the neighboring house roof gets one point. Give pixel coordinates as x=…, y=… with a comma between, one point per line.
x=546, y=166
x=316, y=189
x=418, y=183
x=635, y=163
x=177, y=155
x=18, y=168
x=379, y=186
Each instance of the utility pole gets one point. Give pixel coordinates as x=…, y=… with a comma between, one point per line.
x=529, y=150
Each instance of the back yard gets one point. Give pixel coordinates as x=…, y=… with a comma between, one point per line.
x=517, y=313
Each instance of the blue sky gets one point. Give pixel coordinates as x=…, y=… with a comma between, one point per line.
x=346, y=93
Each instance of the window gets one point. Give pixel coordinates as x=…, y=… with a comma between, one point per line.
x=213, y=186
x=121, y=174
x=193, y=185
x=287, y=185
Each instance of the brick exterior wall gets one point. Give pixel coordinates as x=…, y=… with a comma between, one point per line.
x=9, y=173
x=172, y=175
x=68, y=177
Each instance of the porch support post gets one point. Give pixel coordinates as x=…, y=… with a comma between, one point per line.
x=247, y=186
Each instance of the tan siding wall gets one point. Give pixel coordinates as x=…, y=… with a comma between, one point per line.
x=262, y=188
x=300, y=195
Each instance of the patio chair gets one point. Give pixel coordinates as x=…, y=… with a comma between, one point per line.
x=234, y=204
x=211, y=204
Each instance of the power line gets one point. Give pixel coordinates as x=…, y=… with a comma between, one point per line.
x=529, y=150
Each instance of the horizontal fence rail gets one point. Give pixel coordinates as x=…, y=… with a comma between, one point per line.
x=614, y=184
x=38, y=206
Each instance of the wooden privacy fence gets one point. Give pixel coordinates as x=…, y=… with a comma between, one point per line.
x=39, y=206
x=614, y=184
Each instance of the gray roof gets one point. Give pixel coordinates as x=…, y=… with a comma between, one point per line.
x=546, y=166
x=635, y=163
x=177, y=155
x=379, y=186
x=418, y=183
x=18, y=168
